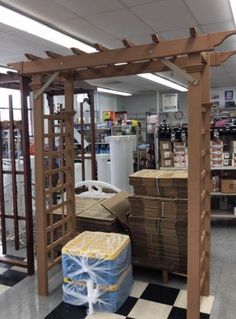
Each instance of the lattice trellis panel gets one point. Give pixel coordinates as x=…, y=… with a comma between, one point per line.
x=54, y=181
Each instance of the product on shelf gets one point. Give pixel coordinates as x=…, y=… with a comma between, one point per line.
x=97, y=270
x=228, y=185
x=216, y=153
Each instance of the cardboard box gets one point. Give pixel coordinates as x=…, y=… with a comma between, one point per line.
x=166, y=163
x=227, y=155
x=166, y=154
x=165, y=145
x=227, y=162
x=228, y=185
x=233, y=145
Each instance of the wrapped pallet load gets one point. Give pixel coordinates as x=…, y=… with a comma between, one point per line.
x=97, y=271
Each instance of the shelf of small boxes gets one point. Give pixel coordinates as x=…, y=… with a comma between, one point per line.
x=176, y=156
x=220, y=158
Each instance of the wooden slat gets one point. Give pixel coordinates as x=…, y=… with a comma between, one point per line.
x=155, y=38
x=127, y=43
x=32, y=57
x=40, y=190
x=77, y=51
x=57, y=206
x=58, y=188
x=59, y=223
x=193, y=32
x=100, y=47
x=13, y=168
x=56, y=170
x=53, y=55
x=203, y=174
x=13, y=261
x=59, y=241
x=55, y=262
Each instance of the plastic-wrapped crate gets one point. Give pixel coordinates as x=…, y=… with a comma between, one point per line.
x=101, y=257
x=98, y=297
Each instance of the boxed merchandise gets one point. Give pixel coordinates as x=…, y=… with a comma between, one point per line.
x=228, y=185
x=233, y=146
x=227, y=162
x=99, y=256
x=163, y=183
x=97, y=270
x=99, y=297
x=180, y=165
x=166, y=163
x=227, y=155
x=165, y=146
x=166, y=154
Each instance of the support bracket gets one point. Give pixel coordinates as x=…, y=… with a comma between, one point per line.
x=46, y=85
x=179, y=71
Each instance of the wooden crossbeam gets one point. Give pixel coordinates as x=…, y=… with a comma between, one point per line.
x=127, y=43
x=77, y=51
x=155, y=38
x=141, y=67
x=46, y=85
x=32, y=57
x=53, y=55
x=219, y=58
x=100, y=47
x=179, y=71
x=193, y=32
x=200, y=43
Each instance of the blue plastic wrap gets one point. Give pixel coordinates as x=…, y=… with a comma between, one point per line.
x=103, y=270
x=99, y=297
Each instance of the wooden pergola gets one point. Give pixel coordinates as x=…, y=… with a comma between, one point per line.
x=191, y=57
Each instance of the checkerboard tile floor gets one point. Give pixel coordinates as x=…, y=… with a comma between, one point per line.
x=146, y=301
x=10, y=276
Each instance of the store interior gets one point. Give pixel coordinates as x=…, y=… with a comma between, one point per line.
x=117, y=159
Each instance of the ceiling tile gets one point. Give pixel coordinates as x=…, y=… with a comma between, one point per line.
x=84, y=8
x=218, y=27
x=174, y=34
x=121, y=23
x=231, y=69
x=44, y=10
x=210, y=11
x=85, y=30
x=165, y=16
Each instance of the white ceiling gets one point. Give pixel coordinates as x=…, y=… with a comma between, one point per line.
x=109, y=21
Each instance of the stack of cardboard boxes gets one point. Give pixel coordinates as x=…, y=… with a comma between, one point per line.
x=158, y=219
x=216, y=153
x=166, y=154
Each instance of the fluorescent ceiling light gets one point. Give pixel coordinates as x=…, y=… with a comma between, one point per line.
x=233, y=8
x=113, y=92
x=160, y=80
x=21, y=22
x=4, y=70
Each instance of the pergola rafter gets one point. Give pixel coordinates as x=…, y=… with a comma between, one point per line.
x=193, y=57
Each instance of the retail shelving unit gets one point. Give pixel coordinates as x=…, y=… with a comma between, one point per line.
x=192, y=58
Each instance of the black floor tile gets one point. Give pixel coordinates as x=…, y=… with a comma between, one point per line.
x=156, y=293
x=179, y=313
x=127, y=306
x=66, y=311
x=11, y=277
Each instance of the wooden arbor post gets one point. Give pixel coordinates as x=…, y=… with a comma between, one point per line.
x=199, y=184
x=52, y=234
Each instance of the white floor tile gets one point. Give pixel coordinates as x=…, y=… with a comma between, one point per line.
x=105, y=315
x=148, y=310
x=2, y=270
x=138, y=288
x=205, y=306
x=3, y=288
x=21, y=269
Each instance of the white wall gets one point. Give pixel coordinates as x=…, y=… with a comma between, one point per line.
x=107, y=102
x=140, y=104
